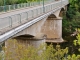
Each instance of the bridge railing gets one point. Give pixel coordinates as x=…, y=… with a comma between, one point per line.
x=23, y=5
x=13, y=21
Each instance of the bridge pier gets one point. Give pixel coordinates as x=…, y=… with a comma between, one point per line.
x=52, y=28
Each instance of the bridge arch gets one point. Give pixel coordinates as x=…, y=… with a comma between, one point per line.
x=26, y=40
x=26, y=36
x=61, y=12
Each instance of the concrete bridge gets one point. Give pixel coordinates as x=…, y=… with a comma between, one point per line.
x=42, y=21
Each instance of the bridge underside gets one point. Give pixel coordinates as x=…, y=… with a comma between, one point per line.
x=50, y=27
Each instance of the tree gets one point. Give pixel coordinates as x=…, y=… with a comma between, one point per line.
x=1, y=2
x=16, y=51
x=75, y=4
x=74, y=56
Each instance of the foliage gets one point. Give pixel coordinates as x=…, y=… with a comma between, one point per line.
x=73, y=7
x=77, y=42
x=70, y=13
x=16, y=51
x=73, y=57
x=1, y=2
x=75, y=4
x=54, y=53
x=10, y=1
x=71, y=20
x=70, y=24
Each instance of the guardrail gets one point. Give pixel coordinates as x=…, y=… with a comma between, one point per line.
x=10, y=22
x=23, y=5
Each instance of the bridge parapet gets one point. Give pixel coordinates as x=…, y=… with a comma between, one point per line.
x=23, y=5
x=13, y=20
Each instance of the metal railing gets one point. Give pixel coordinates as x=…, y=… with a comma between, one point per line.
x=23, y=5
x=12, y=21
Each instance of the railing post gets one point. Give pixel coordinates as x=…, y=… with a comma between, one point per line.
x=40, y=10
x=10, y=22
x=61, y=3
x=39, y=2
x=32, y=13
x=20, y=18
x=9, y=7
x=26, y=15
x=4, y=5
x=51, y=7
x=43, y=7
x=36, y=12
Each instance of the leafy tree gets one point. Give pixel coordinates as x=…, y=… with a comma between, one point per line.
x=16, y=51
x=75, y=4
x=74, y=56
x=70, y=13
x=77, y=41
x=1, y=2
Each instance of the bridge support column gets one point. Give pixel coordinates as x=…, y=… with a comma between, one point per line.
x=56, y=31
x=52, y=28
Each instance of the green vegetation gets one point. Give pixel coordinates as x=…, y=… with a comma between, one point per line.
x=76, y=43
x=75, y=4
x=15, y=50
x=71, y=25
x=71, y=20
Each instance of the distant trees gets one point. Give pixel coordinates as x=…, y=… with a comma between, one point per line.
x=71, y=20
x=75, y=4
x=1, y=2
x=9, y=2
x=73, y=7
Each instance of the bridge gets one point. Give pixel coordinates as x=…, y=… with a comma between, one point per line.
x=41, y=21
